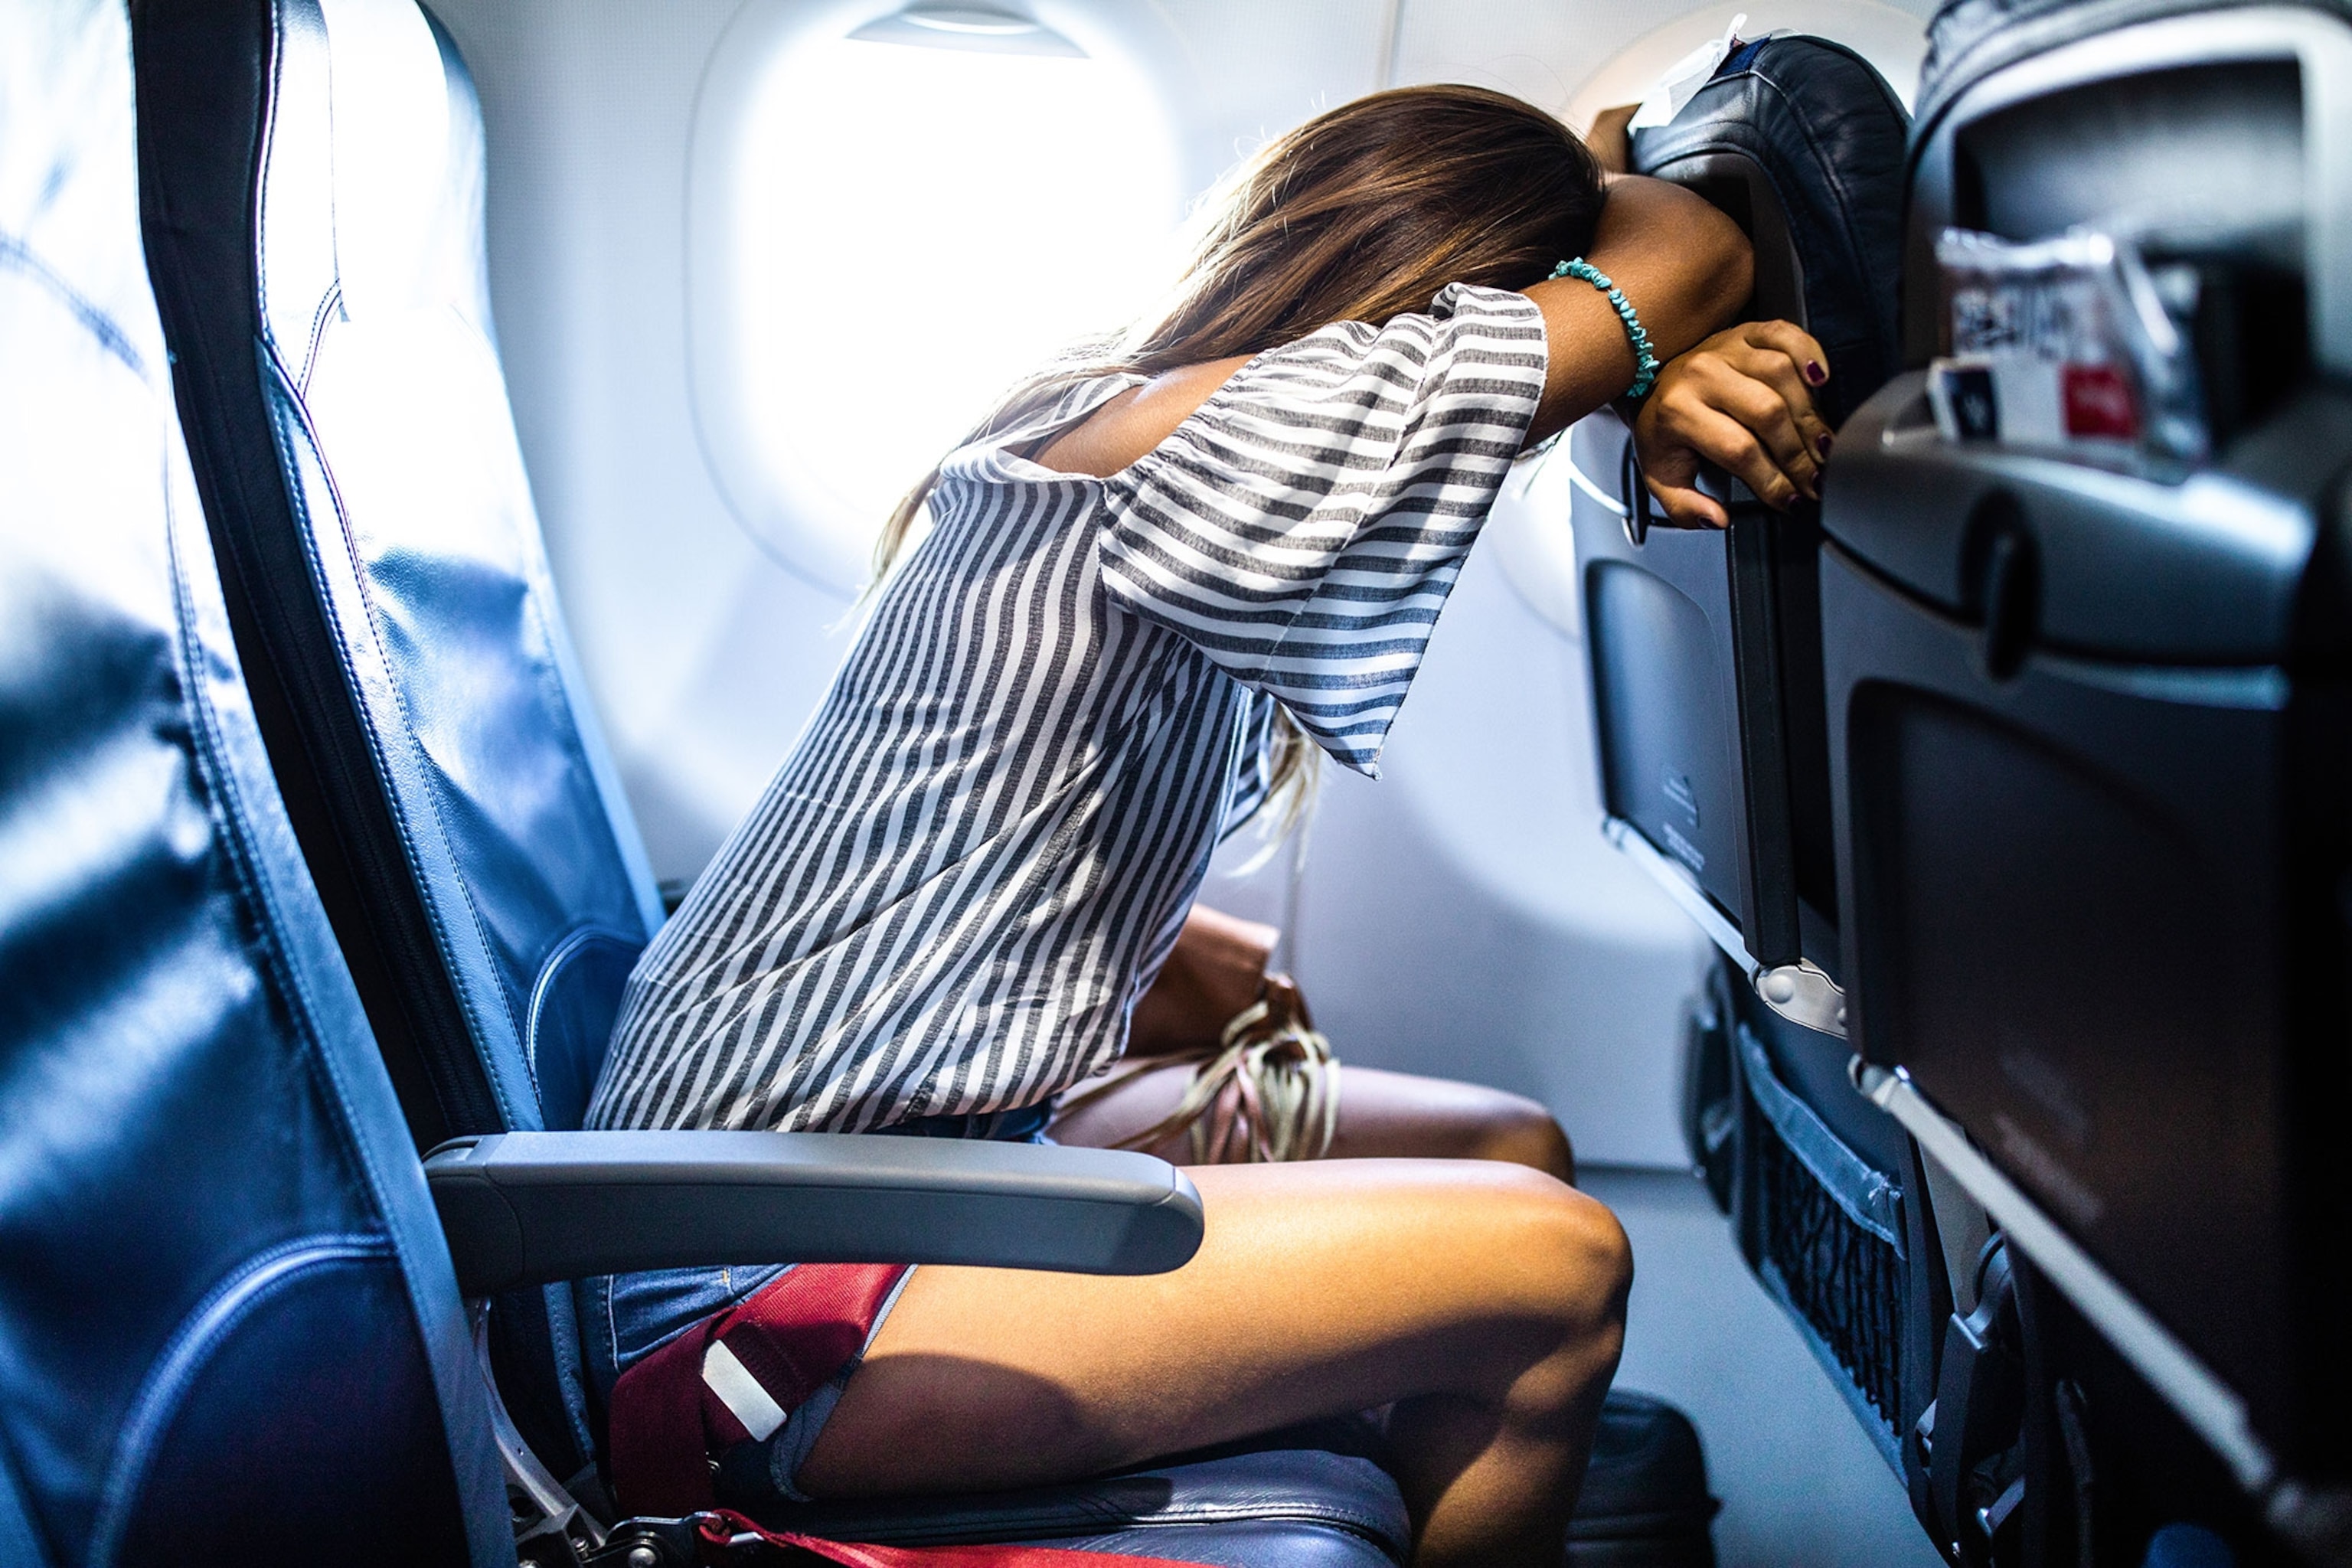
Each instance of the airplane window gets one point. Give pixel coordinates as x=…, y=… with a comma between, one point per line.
x=925, y=211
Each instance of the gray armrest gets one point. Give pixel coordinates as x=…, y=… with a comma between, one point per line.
x=523, y=1208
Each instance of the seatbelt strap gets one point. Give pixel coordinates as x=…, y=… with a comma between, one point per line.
x=735, y=1377
x=722, y=1533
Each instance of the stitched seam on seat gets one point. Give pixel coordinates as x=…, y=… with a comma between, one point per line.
x=266, y=144
x=222, y=1308
x=234, y=820
x=299, y=500
x=320, y=321
x=98, y=324
x=574, y=942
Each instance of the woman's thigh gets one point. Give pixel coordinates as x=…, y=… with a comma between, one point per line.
x=1383, y=1116
x=1319, y=1289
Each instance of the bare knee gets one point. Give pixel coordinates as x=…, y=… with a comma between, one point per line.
x=1519, y=1130
x=1556, y=1263
x=1591, y=1272
x=1598, y=1257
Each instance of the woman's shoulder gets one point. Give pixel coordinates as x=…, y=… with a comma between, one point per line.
x=1136, y=419
x=1008, y=452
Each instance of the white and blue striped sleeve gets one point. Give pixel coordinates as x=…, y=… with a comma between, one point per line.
x=1303, y=527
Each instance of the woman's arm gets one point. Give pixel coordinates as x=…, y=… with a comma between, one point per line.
x=1684, y=265
x=1740, y=398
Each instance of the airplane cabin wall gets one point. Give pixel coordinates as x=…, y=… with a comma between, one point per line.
x=1462, y=916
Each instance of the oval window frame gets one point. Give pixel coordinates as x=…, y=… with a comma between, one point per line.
x=771, y=493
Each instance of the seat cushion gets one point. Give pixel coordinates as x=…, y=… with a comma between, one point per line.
x=1311, y=1496
x=1239, y=1543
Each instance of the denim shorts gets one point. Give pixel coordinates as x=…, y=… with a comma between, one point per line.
x=626, y=1317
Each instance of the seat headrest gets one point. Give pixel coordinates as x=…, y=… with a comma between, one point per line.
x=403, y=220
x=1969, y=40
x=374, y=191
x=1802, y=141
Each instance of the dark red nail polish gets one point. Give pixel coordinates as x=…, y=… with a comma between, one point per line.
x=1814, y=372
x=1824, y=445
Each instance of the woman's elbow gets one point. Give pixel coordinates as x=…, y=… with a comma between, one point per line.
x=1730, y=273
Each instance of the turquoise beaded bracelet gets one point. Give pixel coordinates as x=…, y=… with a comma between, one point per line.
x=1645, y=363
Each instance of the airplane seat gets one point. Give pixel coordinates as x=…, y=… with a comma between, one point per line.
x=385, y=576
x=312, y=180
x=229, y=1331
x=230, y=1326
x=424, y=694
x=1706, y=665
x=1712, y=756
x=2091, y=731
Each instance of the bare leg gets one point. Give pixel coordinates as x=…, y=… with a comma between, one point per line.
x=1485, y=1301
x=1382, y=1115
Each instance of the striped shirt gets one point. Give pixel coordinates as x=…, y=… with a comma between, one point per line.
x=980, y=851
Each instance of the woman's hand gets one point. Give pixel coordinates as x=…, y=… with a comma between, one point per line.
x=1742, y=400
x=1684, y=265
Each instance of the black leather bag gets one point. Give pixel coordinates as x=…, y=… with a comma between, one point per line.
x=1644, y=1502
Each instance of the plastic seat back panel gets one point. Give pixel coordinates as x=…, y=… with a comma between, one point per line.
x=2089, y=809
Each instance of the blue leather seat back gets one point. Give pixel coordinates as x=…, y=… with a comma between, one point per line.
x=313, y=184
x=319, y=165
x=229, y=1331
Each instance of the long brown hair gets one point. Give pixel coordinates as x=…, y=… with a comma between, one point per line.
x=1359, y=214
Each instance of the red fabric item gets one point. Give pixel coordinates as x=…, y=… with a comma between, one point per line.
x=791, y=1336
x=722, y=1529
